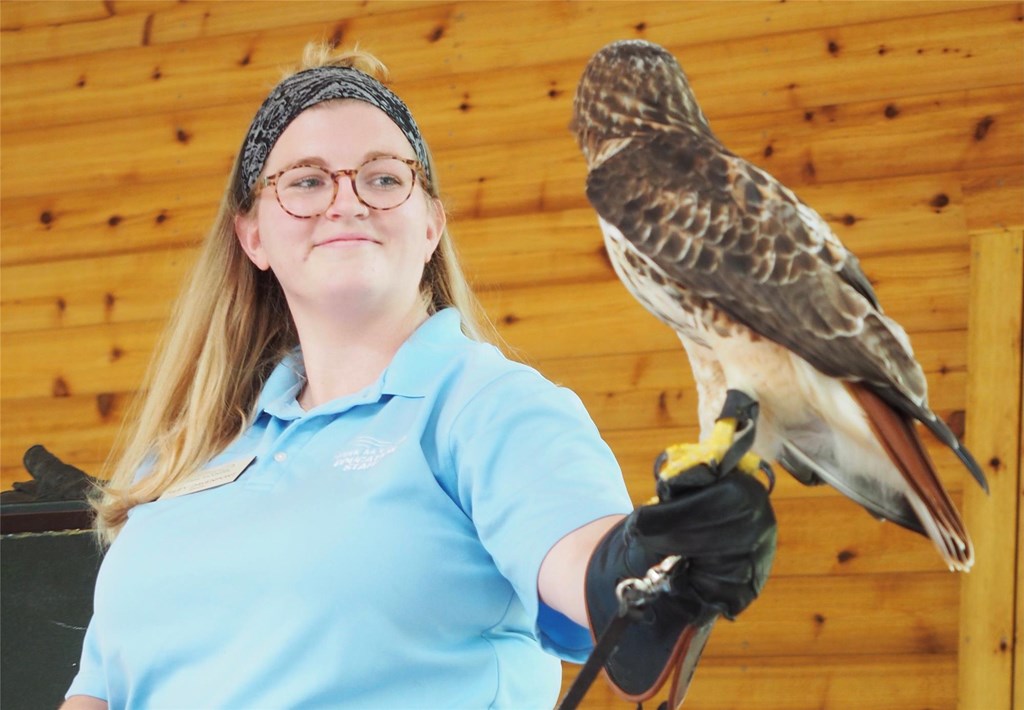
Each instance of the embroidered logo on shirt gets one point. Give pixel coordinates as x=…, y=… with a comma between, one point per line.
x=366, y=452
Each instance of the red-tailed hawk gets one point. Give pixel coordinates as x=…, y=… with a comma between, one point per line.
x=765, y=298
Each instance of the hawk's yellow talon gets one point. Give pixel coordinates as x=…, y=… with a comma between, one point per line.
x=750, y=463
x=682, y=457
x=721, y=436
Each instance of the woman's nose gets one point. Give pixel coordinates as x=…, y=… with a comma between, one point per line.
x=346, y=200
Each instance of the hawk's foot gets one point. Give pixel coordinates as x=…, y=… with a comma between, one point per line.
x=712, y=452
x=725, y=449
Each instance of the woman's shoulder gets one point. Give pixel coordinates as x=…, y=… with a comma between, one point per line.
x=442, y=352
x=485, y=364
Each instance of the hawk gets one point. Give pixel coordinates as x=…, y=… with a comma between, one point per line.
x=764, y=297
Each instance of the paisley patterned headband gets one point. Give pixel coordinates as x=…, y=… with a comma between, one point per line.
x=309, y=88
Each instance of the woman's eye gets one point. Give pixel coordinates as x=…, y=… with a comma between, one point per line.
x=384, y=181
x=384, y=175
x=304, y=180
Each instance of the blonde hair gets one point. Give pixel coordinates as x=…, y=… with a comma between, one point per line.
x=229, y=328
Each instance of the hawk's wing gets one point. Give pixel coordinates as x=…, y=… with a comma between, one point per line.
x=731, y=233
x=720, y=228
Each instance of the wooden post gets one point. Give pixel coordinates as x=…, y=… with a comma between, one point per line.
x=988, y=601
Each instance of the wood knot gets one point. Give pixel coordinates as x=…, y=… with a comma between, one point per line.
x=60, y=388
x=955, y=421
x=981, y=128
x=105, y=404
x=338, y=35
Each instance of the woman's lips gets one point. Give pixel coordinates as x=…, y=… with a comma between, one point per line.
x=347, y=240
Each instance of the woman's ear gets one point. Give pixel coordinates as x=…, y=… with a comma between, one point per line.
x=436, y=221
x=247, y=231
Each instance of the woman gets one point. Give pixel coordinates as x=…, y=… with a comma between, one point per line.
x=336, y=493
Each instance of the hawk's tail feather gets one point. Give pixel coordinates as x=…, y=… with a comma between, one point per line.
x=937, y=427
x=934, y=509
x=943, y=433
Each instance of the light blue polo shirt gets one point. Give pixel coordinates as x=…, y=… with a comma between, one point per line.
x=381, y=551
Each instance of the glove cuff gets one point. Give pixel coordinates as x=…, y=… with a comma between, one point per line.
x=657, y=636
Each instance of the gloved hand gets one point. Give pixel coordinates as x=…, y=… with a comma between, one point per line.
x=52, y=480
x=724, y=529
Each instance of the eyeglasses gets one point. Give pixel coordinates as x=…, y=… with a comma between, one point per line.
x=381, y=183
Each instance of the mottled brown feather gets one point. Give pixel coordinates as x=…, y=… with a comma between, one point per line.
x=759, y=264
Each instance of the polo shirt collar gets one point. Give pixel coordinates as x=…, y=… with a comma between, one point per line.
x=410, y=374
x=425, y=354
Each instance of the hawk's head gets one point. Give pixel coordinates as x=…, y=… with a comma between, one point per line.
x=631, y=87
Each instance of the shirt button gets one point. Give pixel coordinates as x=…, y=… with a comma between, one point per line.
x=280, y=456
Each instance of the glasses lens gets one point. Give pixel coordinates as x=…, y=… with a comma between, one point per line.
x=305, y=191
x=385, y=183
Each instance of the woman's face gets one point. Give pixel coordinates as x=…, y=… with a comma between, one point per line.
x=351, y=256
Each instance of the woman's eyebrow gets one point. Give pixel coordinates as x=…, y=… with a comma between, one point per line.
x=320, y=161
x=308, y=160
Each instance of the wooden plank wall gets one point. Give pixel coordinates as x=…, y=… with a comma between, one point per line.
x=899, y=121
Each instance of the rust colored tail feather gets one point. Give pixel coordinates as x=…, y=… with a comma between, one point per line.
x=899, y=438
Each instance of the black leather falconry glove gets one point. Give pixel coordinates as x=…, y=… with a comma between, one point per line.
x=723, y=528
